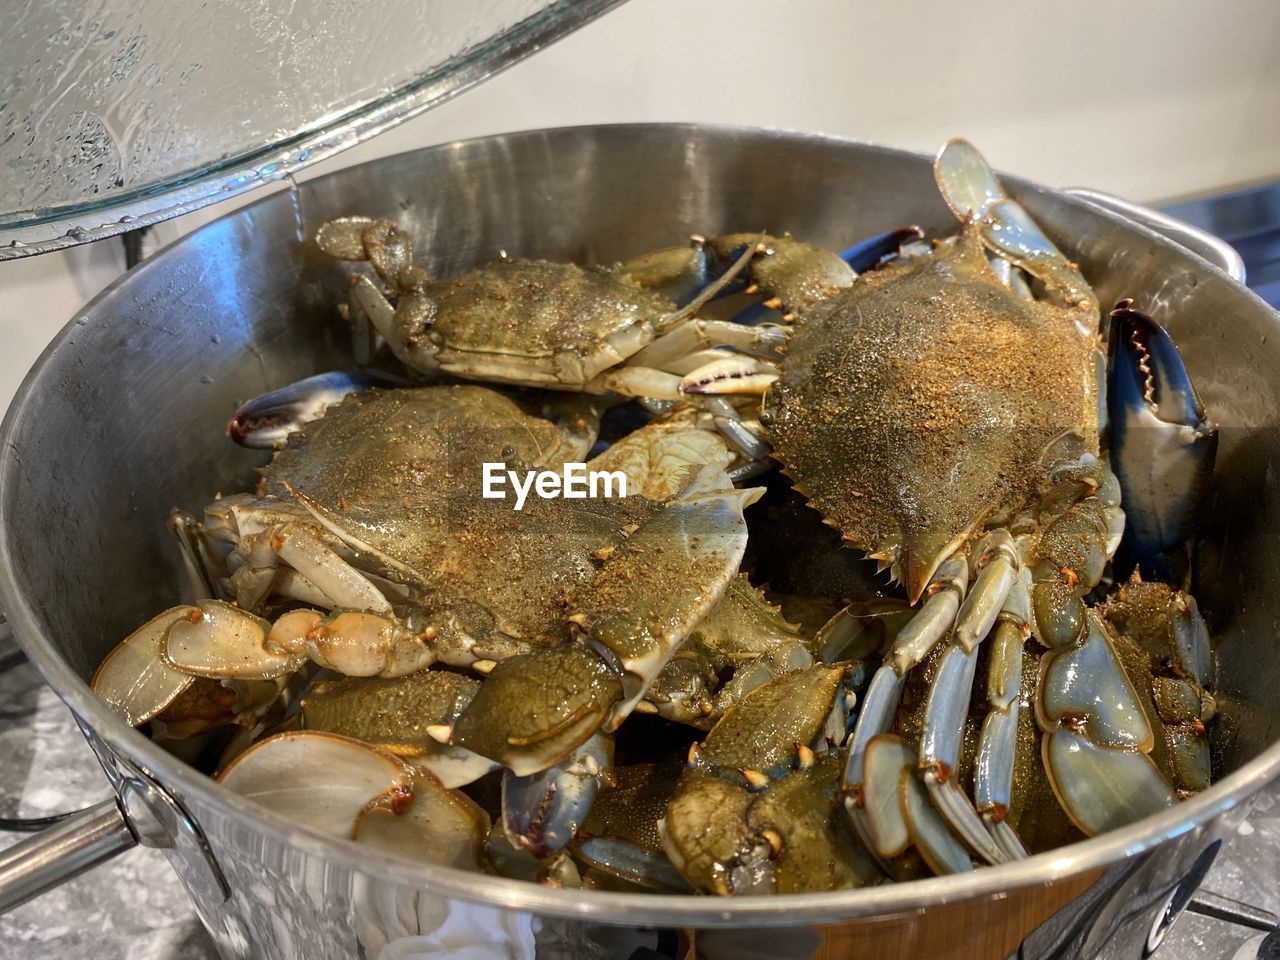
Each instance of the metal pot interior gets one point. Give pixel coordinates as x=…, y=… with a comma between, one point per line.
x=123, y=417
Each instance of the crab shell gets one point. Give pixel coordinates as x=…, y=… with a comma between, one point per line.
x=531, y=322
x=919, y=402
x=398, y=474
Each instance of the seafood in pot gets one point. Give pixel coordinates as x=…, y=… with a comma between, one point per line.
x=540, y=323
x=375, y=515
x=948, y=423
x=487, y=681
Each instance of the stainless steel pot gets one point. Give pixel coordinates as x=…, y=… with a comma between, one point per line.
x=123, y=415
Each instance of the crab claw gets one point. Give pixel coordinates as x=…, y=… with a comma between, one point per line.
x=542, y=812
x=534, y=709
x=267, y=420
x=867, y=254
x=1162, y=444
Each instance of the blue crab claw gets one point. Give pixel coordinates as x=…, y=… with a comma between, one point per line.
x=543, y=811
x=868, y=254
x=1162, y=444
x=267, y=420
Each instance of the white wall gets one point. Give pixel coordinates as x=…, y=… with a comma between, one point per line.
x=1146, y=98
x=1149, y=99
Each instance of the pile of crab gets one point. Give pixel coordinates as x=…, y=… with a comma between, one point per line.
x=899, y=585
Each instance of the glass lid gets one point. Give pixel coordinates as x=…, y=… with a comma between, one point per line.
x=119, y=113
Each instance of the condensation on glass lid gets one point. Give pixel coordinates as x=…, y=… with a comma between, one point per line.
x=117, y=113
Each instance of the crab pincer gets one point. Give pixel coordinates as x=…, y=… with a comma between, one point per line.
x=267, y=420
x=542, y=812
x=1162, y=445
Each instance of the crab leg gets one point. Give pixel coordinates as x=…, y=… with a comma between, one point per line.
x=1011, y=276
x=749, y=470
x=692, y=361
x=743, y=436
x=1097, y=738
x=439, y=825
x=971, y=190
x=291, y=585
x=898, y=813
x=712, y=290
x=637, y=382
x=764, y=340
x=645, y=372
x=993, y=594
x=198, y=563
x=997, y=743
x=318, y=779
x=358, y=792
x=220, y=640
x=931, y=623
x=253, y=567
x=134, y=680
x=393, y=323
x=314, y=570
x=255, y=525
x=306, y=553
x=1162, y=444
x=365, y=340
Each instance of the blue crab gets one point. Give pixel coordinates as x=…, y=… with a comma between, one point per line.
x=947, y=408
x=950, y=424
x=554, y=325
x=369, y=510
x=373, y=517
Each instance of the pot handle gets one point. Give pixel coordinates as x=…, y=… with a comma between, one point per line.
x=1200, y=242
x=65, y=850
x=68, y=846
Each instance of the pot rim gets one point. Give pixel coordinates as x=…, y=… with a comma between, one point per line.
x=665, y=910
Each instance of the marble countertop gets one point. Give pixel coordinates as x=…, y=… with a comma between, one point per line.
x=133, y=908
